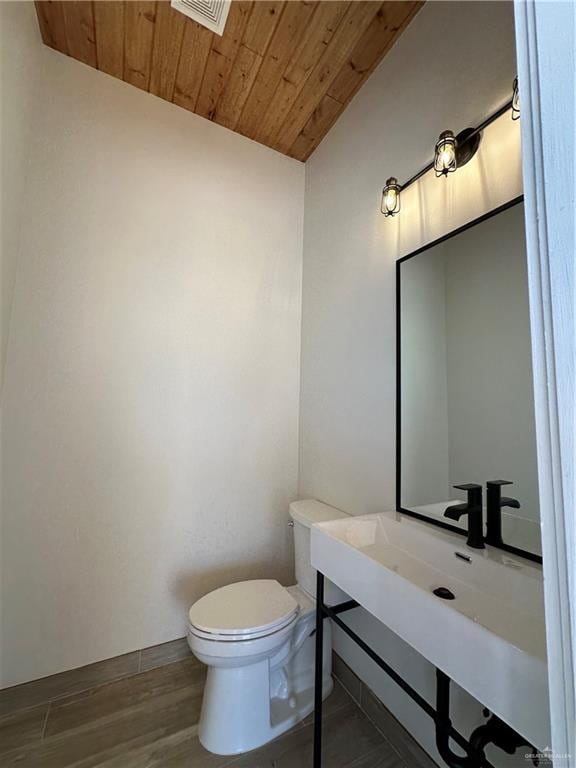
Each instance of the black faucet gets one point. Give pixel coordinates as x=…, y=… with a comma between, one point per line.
x=494, y=503
x=472, y=508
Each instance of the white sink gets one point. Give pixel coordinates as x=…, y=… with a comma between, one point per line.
x=490, y=639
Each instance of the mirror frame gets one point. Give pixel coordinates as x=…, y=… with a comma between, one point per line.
x=399, y=508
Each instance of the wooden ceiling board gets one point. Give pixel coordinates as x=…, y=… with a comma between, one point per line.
x=281, y=74
x=168, y=34
x=261, y=25
x=51, y=22
x=139, y=24
x=350, y=30
x=109, y=20
x=318, y=125
x=80, y=31
x=237, y=88
x=291, y=28
x=388, y=23
x=262, y=22
x=196, y=46
x=221, y=59
x=317, y=36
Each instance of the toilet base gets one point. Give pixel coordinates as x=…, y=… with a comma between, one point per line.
x=245, y=707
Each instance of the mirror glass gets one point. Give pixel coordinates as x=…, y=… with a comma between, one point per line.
x=466, y=410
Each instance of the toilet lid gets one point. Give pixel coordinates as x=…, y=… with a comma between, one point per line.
x=245, y=608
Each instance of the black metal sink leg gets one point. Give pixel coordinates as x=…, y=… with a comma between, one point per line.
x=318, y=669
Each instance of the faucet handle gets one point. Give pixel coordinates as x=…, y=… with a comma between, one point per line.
x=473, y=494
x=496, y=499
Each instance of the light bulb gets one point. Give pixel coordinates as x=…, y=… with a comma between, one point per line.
x=390, y=200
x=446, y=156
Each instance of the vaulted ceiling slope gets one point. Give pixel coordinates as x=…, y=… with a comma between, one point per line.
x=281, y=74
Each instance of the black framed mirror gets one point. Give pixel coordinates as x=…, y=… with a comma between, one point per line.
x=465, y=403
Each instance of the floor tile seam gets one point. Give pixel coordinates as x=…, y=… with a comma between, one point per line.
x=43, y=734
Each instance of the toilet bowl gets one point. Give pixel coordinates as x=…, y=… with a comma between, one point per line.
x=257, y=639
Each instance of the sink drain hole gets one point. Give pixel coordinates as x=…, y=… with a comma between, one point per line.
x=444, y=593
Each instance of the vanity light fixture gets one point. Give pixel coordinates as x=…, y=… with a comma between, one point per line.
x=451, y=152
x=390, y=205
x=445, y=161
x=515, y=100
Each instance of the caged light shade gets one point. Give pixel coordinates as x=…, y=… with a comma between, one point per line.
x=445, y=161
x=390, y=197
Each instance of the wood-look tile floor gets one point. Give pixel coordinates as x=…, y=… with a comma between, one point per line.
x=149, y=720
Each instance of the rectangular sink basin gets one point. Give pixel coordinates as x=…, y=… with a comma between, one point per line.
x=489, y=639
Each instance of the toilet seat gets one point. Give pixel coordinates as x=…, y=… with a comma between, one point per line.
x=244, y=638
x=244, y=611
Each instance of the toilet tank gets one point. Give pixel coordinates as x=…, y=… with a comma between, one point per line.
x=304, y=514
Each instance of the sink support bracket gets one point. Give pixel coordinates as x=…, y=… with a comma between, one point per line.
x=474, y=758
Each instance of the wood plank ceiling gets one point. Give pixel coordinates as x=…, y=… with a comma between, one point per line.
x=281, y=74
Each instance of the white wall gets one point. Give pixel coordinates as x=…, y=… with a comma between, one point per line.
x=452, y=67
x=19, y=56
x=152, y=377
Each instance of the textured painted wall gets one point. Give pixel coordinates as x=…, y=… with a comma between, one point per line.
x=152, y=381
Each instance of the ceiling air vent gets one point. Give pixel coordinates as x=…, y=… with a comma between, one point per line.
x=210, y=13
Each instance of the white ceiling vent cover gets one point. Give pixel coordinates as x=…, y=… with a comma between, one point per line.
x=210, y=13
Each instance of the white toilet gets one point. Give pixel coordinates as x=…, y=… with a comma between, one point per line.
x=257, y=639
